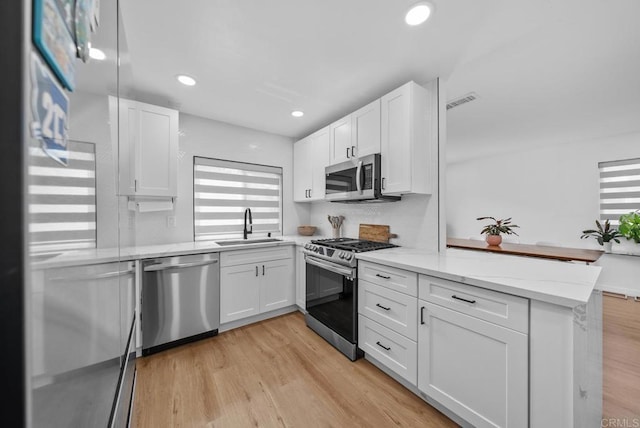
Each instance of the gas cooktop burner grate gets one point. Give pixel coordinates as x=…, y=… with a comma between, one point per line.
x=352, y=244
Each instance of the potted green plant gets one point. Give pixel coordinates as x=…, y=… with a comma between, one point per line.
x=493, y=230
x=630, y=226
x=604, y=234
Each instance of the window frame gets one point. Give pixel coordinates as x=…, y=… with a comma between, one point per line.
x=246, y=166
x=38, y=165
x=619, y=171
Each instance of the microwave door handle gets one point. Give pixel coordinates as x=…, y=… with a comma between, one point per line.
x=359, y=177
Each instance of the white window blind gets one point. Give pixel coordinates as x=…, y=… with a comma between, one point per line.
x=62, y=200
x=619, y=188
x=222, y=190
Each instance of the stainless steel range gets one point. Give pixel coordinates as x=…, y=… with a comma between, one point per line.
x=332, y=290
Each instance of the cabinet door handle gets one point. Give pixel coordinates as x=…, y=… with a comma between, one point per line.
x=262, y=270
x=382, y=346
x=347, y=152
x=309, y=192
x=353, y=153
x=382, y=276
x=382, y=307
x=464, y=300
x=256, y=270
x=422, y=315
x=382, y=184
x=135, y=186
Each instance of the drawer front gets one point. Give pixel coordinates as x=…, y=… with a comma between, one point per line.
x=396, y=279
x=395, y=351
x=393, y=310
x=498, y=308
x=240, y=257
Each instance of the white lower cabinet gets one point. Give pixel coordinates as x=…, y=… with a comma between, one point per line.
x=476, y=369
x=301, y=278
x=276, y=285
x=387, y=308
x=464, y=347
x=395, y=351
x=251, y=282
x=239, y=292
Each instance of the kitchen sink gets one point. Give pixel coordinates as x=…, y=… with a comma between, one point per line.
x=248, y=241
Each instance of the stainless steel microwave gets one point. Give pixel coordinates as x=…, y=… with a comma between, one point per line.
x=358, y=181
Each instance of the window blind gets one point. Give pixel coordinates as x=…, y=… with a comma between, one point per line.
x=619, y=188
x=62, y=200
x=222, y=190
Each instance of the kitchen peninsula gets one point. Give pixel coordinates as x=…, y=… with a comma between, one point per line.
x=526, y=331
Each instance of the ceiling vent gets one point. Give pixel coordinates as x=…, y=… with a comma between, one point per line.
x=462, y=100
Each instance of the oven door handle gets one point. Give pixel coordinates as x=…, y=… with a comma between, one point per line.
x=331, y=267
x=359, y=177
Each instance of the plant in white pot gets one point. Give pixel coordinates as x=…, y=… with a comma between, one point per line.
x=493, y=230
x=604, y=234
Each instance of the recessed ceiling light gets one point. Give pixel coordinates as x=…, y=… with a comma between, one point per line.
x=418, y=13
x=186, y=80
x=297, y=113
x=97, y=54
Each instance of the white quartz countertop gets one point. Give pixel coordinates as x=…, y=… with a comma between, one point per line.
x=561, y=283
x=106, y=255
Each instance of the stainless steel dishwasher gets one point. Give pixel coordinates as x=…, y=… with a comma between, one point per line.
x=180, y=300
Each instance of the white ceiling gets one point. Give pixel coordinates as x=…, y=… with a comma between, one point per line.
x=545, y=70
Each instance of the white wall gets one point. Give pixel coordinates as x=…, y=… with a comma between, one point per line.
x=89, y=122
x=210, y=138
x=414, y=219
x=550, y=191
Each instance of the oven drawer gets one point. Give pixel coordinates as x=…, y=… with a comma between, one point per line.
x=396, y=279
x=498, y=308
x=394, y=310
x=395, y=351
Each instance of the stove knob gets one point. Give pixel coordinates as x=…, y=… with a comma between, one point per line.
x=341, y=254
x=349, y=256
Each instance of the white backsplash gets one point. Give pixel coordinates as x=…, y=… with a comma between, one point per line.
x=414, y=219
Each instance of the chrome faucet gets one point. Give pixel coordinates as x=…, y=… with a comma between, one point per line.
x=250, y=230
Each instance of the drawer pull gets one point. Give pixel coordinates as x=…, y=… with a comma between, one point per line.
x=382, y=346
x=382, y=307
x=382, y=276
x=464, y=300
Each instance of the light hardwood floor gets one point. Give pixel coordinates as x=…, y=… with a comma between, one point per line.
x=621, y=359
x=276, y=373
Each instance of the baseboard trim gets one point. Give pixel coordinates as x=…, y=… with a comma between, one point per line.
x=256, y=318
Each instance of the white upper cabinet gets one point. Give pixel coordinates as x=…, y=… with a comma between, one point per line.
x=365, y=130
x=407, y=140
x=310, y=157
x=340, y=140
x=356, y=135
x=302, y=177
x=148, y=149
